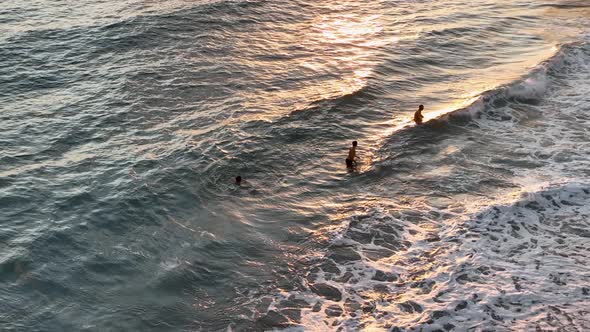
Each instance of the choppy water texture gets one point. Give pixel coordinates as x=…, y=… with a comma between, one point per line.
x=124, y=122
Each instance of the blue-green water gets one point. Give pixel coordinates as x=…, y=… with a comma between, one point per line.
x=123, y=124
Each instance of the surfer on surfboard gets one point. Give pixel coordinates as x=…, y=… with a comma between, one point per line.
x=418, y=117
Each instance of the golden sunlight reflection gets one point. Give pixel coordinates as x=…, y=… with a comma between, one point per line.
x=343, y=46
x=470, y=91
x=348, y=28
x=454, y=106
x=349, y=33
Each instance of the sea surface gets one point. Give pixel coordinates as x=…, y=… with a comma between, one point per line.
x=124, y=123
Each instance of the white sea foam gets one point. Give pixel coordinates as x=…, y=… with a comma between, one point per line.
x=510, y=266
x=531, y=88
x=519, y=262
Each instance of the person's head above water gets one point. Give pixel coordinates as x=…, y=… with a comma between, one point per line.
x=421, y=108
x=354, y=143
x=238, y=179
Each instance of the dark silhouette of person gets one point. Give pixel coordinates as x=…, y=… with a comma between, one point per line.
x=418, y=117
x=238, y=180
x=351, y=154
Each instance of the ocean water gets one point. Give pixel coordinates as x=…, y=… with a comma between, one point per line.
x=123, y=124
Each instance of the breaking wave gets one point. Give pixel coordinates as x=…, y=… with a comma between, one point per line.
x=516, y=262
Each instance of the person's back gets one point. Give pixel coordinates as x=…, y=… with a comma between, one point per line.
x=418, y=117
x=351, y=154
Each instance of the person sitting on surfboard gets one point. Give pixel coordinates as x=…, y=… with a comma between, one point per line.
x=418, y=115
x=351, y=154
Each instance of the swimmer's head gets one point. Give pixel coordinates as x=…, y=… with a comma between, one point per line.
x=421, y=108
x=238, y=180
x=354, y=143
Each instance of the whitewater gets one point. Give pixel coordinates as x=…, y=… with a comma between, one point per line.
x=123, y=125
